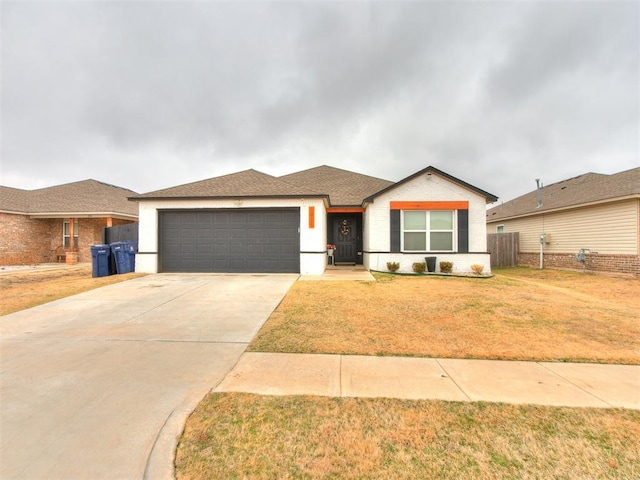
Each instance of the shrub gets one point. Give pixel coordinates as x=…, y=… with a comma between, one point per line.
x=477, y=268
x=419, y=267
x=393, y=266
x=446, y=267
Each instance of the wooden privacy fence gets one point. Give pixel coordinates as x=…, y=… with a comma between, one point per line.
x=120, y=233
x=503, y=248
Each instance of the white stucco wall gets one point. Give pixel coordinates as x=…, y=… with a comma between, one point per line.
x=425, y=188
x=313, y=258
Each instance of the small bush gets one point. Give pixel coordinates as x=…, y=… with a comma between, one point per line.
x=393, y=266
x=446, y=267
x=477, y=268
x=419, y=267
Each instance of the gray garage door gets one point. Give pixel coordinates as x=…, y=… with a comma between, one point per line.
x=236, y=241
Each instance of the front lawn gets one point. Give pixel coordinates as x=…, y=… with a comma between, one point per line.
x=519, y=314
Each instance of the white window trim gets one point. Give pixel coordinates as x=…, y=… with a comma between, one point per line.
x=454, y=231
x=498, y=227
x=76, y=227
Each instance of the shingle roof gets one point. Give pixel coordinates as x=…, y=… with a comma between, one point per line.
x=248, y=183
x=84, y=197
x=584, y=189
x=343, y=187
x=14, y=200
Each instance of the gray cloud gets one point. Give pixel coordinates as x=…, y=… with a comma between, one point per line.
x=497, y=93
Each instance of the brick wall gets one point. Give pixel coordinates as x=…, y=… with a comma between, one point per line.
x=26, y=240
x=609, y=263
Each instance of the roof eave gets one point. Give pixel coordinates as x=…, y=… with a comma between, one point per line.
x=42, y=215
x=228, y=197
x=566, y=207
x=15, y=212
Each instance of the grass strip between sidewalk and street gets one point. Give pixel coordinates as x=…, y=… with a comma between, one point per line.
x=261, y=437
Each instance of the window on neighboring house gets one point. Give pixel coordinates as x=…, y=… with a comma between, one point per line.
x=66, y=232
x=500, y=229
x=427, y=230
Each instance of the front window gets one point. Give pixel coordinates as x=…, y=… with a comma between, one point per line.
x=427, y=230
x=66, y=231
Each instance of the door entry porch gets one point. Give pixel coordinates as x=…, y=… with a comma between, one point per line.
x=345, y=232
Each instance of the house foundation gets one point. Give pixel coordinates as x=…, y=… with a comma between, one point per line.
x=605, y=263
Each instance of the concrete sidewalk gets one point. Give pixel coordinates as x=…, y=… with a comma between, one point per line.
x=340, y=273
x=541, y=383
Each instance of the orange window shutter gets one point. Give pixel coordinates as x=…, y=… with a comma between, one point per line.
x=312, y=217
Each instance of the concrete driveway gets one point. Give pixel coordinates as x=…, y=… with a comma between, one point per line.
x=99, y=385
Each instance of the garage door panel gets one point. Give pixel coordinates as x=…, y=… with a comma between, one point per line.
x=236, y=249
x=255, y=234
x=230, y=241
x=255, y=250
x=204, y=248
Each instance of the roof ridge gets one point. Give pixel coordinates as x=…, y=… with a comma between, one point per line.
x=79, y=182
x=336, y=169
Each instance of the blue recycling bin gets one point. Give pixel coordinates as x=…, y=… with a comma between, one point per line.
x=125, y=256
x=101, y=260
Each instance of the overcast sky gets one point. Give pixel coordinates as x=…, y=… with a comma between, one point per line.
x=151, y=94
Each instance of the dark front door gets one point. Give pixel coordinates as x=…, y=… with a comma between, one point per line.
x=345, y=235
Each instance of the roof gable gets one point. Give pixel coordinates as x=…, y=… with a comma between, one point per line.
x=83, y=197
x=584, y=189
x=344, y=188
x=432, y=170
x=248, y=183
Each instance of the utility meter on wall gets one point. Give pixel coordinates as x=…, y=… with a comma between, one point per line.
x=543, y=238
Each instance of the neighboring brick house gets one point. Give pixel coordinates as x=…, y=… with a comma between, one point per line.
x=596, y=212
x=37, y=226
x=253, y=222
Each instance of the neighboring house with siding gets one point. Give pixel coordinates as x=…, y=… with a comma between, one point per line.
x=253, y=222
x=596, y=212
x=59, y=223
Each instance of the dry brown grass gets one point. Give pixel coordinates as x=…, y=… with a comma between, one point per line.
x=520, y=314
x=248, y=436
x=24, y=289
